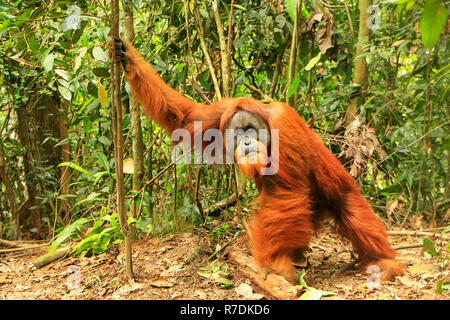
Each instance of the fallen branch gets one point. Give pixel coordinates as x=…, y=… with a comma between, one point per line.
x=417, y=233
x=441, y=204
x=224, y=247
x=23, y=248
x=8, y=244
x=275, y=285
x=218, y=207
x=50, y=257
x=408, y=246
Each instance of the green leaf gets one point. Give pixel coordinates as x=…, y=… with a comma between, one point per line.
x=240, y=7
x=63, y=74
x=396, y=1
x=34, y=46
x=104, y=140
x=79, y=58
x=410, y=4
x=294, y=85
x=290, y=7
x=101, y=157
x=48, y=62
x=67, y=232
x=301, y=278
x=305, y=12
x=311, y=294
x=446, y=229
x=85, y=104
x=65, y=93
x=98, y=175
x=99, y=54
x=90, y=198
x=313, y=61
x=429, y=246
x=87, y=242
x=131, y=220
x=432, y=23
x=443, y=284
x=74, y=166
x=101, y=72
x=225, y=282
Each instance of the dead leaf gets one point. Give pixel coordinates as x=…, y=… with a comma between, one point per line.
x=102, y=292
x=420, y=268
x=392, y=61
x=360, y=142
x=407, y=282
x=413, y=48
x=390, y=207
x=324, y=36
x=417, y=29
x=161, y=283
x=315, y=17
x=325, y=26
x=102, y=95
x=388, y=129
x=20, y=60
x=398, y=43
x=128, y=288
x=200, y=294
x=244, y=290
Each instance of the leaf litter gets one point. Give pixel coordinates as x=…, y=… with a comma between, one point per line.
x=177, y=267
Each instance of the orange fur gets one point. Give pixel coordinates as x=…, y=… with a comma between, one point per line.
x=251, y=164
x=169, y=108
x=310, y=179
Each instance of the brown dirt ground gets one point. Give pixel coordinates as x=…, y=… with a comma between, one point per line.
x=177, y=267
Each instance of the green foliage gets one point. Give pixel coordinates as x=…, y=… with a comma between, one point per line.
x=433, y=21
x=443, y=284
x=310, y=292
x=105, y=231
x=290, y=7
x=441, y=254
x=220, y=231
x=432, y=251
x=74, y=166
x=313, y=61
x=405, y=104
x=217, y=271
x=68, y=232
x=98, y=240
x=294, y=85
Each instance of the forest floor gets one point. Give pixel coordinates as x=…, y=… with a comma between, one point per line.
x=177, y=267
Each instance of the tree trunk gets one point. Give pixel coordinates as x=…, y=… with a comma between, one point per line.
x=361, y=70
x=224, y=53
x=30, y=181
x=9, y=194
x=135, y=111
x=212, y=70
x=116, y=104
x=292, y=72
x=65, y=157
